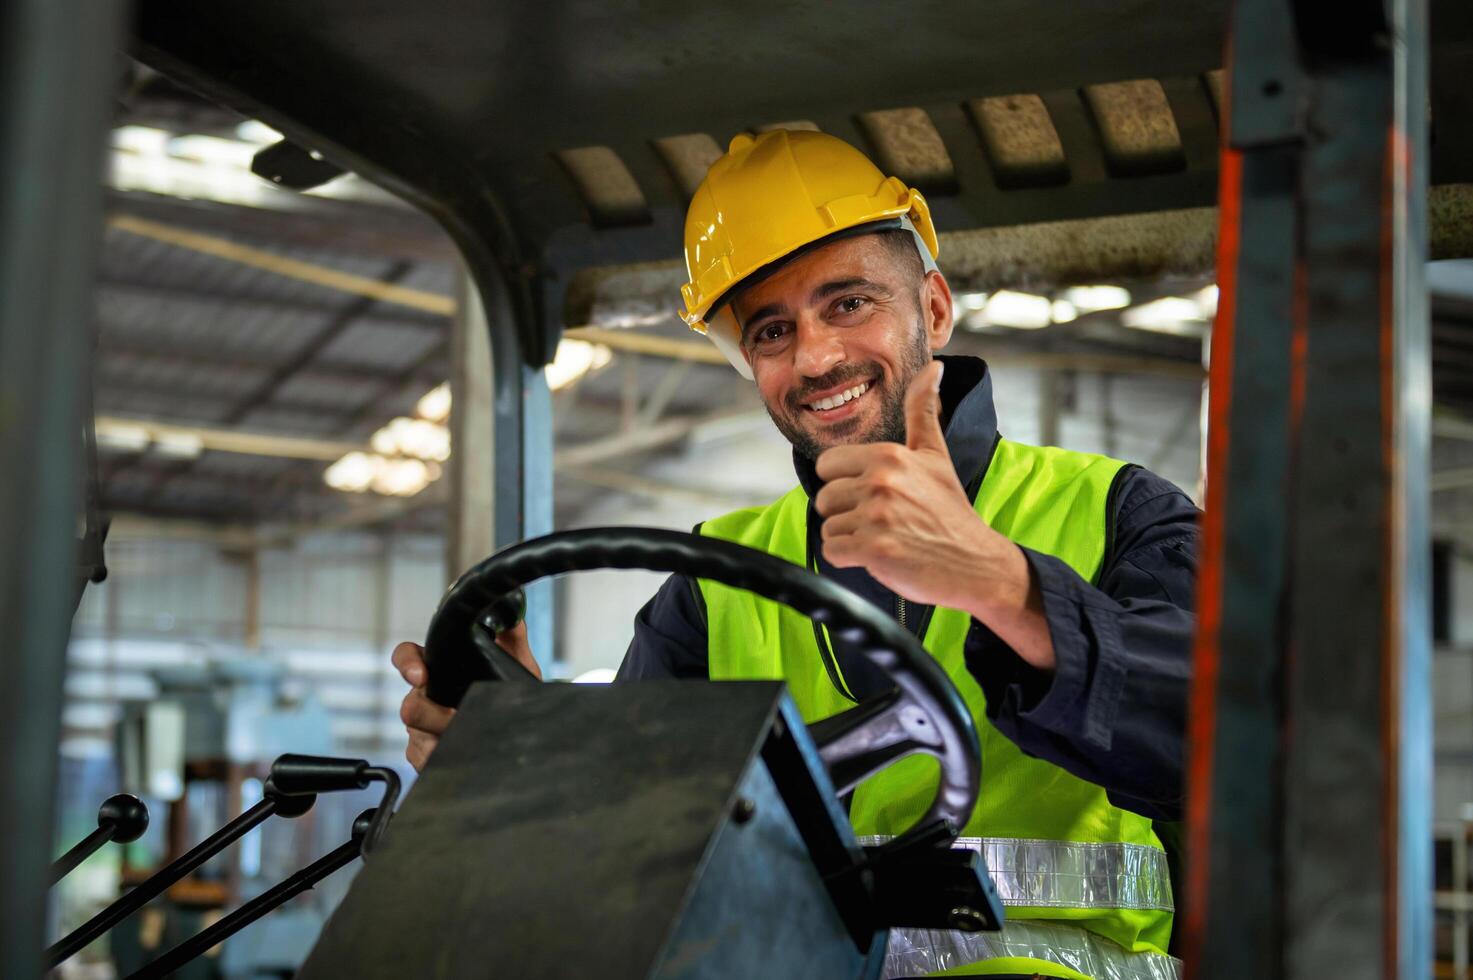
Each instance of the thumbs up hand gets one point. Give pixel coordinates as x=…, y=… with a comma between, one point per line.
x=900, y=513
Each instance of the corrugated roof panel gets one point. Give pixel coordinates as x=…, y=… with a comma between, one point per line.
x=308, y=387
x=163, y=373
x=163, y=405
x=193, y=324
x=272, y=418
x=233, y=464
x=431, y=277
x=373, y=343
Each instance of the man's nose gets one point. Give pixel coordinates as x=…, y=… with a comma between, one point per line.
x=818, y=348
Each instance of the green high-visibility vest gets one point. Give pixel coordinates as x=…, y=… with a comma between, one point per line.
x=1060, y=853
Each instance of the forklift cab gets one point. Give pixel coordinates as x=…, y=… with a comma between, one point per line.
x=548, y=140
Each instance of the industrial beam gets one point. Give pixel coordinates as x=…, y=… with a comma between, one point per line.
x=256, y=258
x=227, y=440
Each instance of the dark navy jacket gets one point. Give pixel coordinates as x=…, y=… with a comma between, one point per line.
x=1114, y=709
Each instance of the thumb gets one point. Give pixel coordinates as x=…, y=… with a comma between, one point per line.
x=923, y=410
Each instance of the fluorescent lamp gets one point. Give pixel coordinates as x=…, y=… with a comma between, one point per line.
x=417, y=438
x=401, y=477
x=1063, y=311
x=353, y=473
x=1174, y=315
x=1024, y=311
x=1206, y=300
x=125, y=438
x=971, y=301
x=435, y=403
x=574, y=359
x=423, y=440
x=180, y=445
x=1088, y=299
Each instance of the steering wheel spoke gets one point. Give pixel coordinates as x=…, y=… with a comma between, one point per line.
x=866, y=739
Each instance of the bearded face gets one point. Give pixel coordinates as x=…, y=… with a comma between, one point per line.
x=806, y=425
x=835, y=337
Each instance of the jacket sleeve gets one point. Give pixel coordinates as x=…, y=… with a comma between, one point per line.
x=669, y=636
x=1113, y=711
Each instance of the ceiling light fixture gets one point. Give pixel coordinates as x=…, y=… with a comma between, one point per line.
x=353, y=473
x=574, y=359
x=1174, y=315
x=179, y=445
x=1088, y=299
x=1206, y=300
x=125, y=438
x=435, y=403
x=1063, y=311
x=401, y=477
x=971, y=301
x=1023, y=311
x=416, y=438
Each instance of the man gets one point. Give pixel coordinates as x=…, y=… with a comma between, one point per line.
x=1054, y=587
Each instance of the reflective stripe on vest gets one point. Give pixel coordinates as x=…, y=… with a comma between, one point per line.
x=1052, y=501
x=1059, y=874
x=918, y=952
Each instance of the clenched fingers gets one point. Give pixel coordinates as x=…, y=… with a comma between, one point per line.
x=421, y=744
x=839, y=495
x=409, y=660
x=839, y=525
x=418, y=712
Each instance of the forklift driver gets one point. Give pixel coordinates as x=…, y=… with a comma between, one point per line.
x=1054, y=587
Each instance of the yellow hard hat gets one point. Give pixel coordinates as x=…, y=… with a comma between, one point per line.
x=770, y=197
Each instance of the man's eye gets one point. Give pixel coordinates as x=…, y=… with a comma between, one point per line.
x=850, y=304
x=768, y=332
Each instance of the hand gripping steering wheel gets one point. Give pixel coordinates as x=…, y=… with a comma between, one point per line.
x=922, y=713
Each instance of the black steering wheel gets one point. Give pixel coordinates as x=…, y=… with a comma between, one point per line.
x=922, y=713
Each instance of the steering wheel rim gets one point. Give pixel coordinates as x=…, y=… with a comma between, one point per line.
x=924, y=713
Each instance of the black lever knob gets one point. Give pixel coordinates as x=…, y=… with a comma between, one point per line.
x=293, y=774
x=126, y=815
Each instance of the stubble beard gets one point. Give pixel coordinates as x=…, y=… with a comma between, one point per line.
x=889, y=427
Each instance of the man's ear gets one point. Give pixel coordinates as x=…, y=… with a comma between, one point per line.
x=936, y=309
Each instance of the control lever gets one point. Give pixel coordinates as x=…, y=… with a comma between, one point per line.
x=121, y=818
x=263, y=904
x=272, y=802
x=294, y=774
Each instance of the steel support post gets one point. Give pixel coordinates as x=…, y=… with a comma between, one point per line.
x=471, y=469
x=501, y=471
x=1310, y=770
x=57, y=66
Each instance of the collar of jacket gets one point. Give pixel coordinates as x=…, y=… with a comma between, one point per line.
x=968, y=417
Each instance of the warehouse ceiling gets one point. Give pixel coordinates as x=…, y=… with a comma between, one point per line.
x=222, y=309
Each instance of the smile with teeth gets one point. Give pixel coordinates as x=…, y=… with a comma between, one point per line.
x=834, y=401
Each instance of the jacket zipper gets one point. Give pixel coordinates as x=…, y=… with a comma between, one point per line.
x=900, y=611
